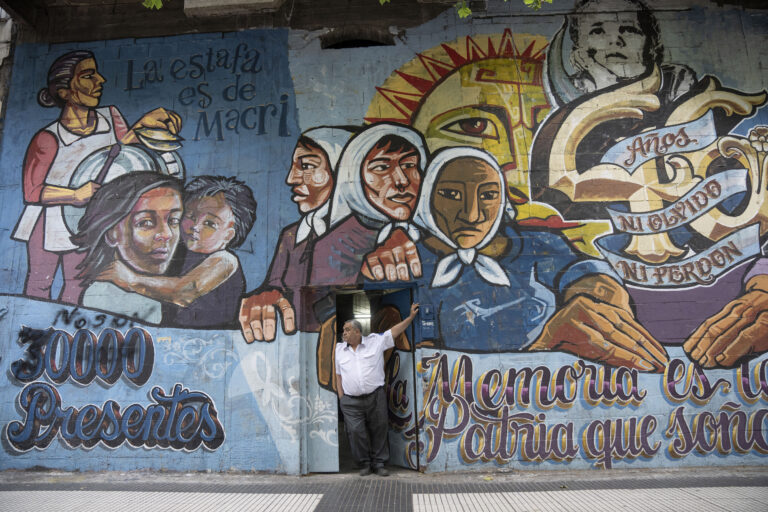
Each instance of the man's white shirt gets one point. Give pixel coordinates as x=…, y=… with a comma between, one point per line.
x=362, y=370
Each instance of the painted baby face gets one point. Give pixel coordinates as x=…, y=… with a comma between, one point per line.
x=208, y=224
x=466, y=200
x=147, y=237
x=310, y=177
x=614, y=42
x=391, y=180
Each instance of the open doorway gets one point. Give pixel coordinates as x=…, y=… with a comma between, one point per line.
x=377, y=310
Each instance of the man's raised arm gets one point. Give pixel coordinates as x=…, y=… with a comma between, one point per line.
x=398, y=329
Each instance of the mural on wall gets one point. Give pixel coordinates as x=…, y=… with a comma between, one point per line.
x=59, y=164
x=181, y=420
x=647, y=145
x=581, y=219
x=634, y=164
x=138, y=256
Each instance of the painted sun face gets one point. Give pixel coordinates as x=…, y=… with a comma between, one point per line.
x=391, y=180
x=208, y=224
x=147, y=237
x=616, y=44
x=466, y=200
x=86, y=85
x=310, y=177
x=493, y=105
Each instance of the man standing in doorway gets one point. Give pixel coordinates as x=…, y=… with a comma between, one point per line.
x=360, y=385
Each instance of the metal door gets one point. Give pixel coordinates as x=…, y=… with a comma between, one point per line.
x=400, y=377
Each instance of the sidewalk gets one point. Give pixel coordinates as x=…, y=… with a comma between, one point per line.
x=740, y=489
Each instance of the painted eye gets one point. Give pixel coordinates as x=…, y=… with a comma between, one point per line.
x=631, y=29
x=145, y=224
x=474, y=127
x=450, y=193
x=490, y=195
x=379, y=168
x=173, y=221
x=210, y=224
x=410, y=163
x=597, y=31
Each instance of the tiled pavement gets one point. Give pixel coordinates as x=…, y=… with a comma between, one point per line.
x=702, y=489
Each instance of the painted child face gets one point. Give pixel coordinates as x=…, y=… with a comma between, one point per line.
x=85, y=87
x=146, y=239
x=391, y=180
x=613, y=41
x=466, y=200
x=208, y=224
x=310, y=177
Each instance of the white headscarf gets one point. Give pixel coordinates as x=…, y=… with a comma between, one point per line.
x=349, y=196
x=331, y=139
x=449, y=268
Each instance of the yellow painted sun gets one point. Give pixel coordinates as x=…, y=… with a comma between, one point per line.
x=487, y=92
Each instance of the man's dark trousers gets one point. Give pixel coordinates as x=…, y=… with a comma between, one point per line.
x=366, y=423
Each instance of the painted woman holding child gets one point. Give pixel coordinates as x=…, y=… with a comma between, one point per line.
x=130, y=231
x=74, y=85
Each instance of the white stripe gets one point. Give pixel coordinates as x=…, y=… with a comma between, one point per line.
x=697, y=498
x=129, y=501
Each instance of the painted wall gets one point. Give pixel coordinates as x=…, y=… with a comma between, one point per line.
x=576, y=199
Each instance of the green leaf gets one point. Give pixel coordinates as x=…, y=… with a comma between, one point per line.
x=153, y=4
x=463, y=9
x=382, y=2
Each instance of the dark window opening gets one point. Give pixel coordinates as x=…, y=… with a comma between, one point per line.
x=356, y=37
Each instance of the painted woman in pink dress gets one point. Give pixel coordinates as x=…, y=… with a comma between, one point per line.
x=75, y=86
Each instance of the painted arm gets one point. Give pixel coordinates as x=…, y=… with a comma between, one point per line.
x=37, y=162
x=52, y=195
x=596, y=322
x=183, y=290
x=398, y=329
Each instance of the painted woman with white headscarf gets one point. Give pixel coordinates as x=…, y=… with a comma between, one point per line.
x=312, y=178
x=495, y=288
x=376, y=193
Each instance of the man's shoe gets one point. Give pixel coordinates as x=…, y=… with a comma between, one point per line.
x=382, y=471
x=365, y=471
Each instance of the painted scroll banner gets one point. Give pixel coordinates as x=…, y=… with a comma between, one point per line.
x=631, y=153
x=708, y=194
x=700, y=269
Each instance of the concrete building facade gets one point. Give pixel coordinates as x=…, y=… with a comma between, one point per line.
x=576, y=196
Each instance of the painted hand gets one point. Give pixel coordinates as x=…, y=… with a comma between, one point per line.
x=397, y=259
x=83, y=194
x=162, y=119
x=258, y=316
x=602, y=332
x=738, y=331
x=159, y=118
